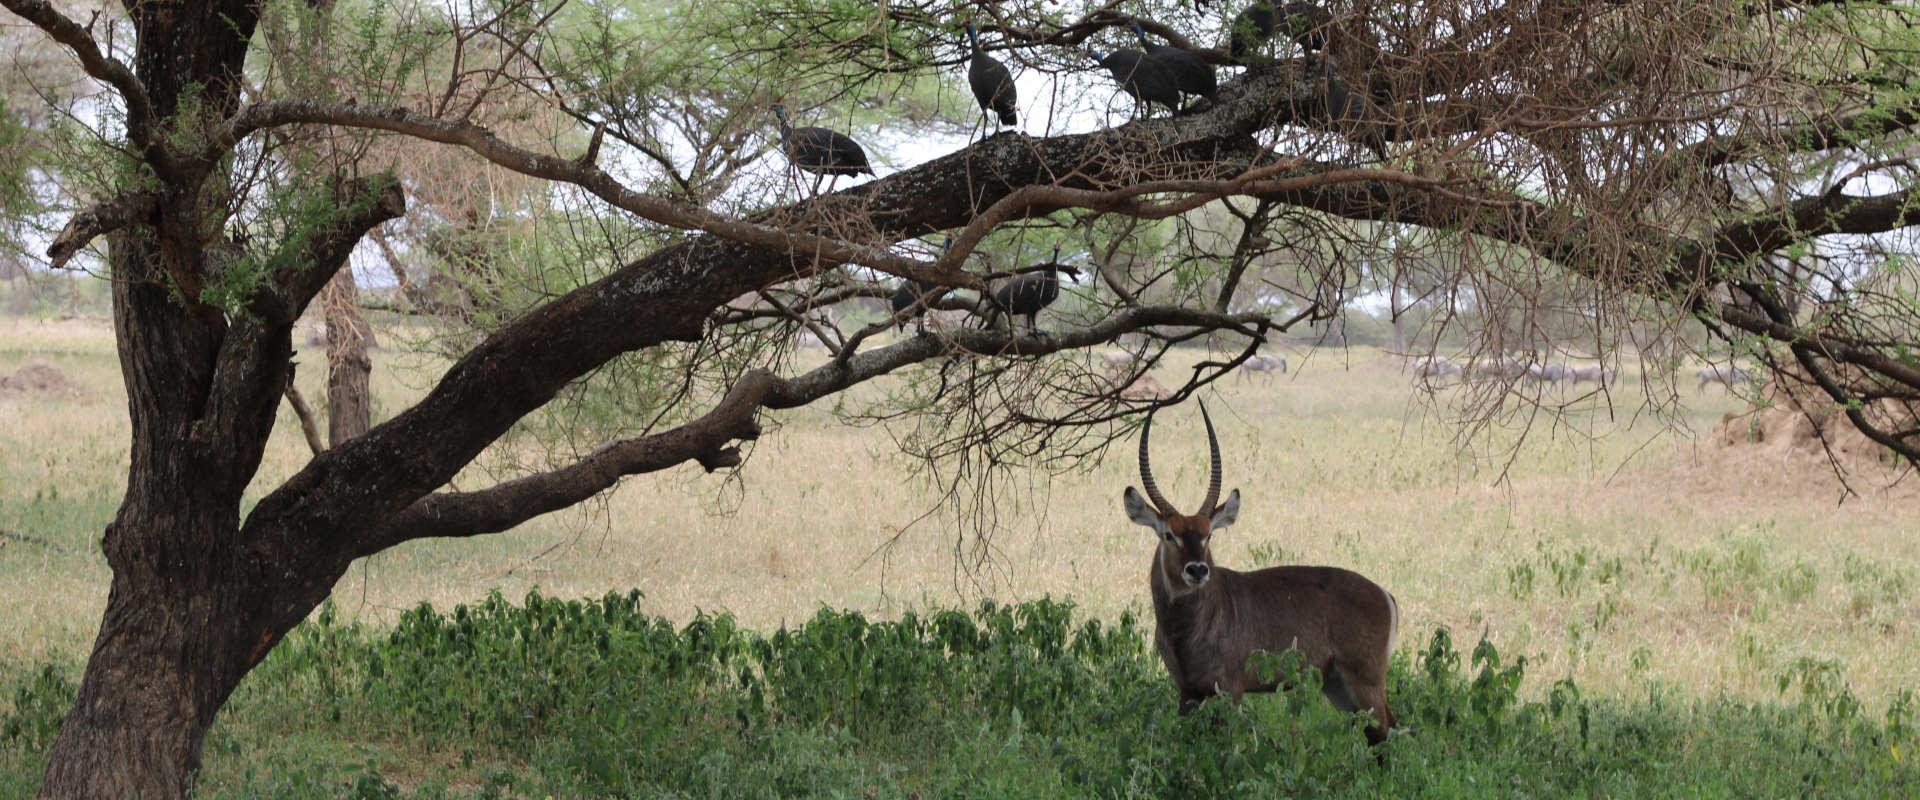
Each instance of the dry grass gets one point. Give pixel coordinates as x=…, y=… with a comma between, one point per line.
x=1617, y=550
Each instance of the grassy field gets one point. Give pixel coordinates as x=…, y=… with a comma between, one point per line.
x=1613, y=547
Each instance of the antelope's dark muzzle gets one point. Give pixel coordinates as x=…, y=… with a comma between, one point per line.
x=1195, y=573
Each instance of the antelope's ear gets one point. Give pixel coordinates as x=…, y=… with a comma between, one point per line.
x=1141, y=513
x=1227, y=512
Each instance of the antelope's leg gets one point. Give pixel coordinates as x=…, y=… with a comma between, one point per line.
x=1350, y=691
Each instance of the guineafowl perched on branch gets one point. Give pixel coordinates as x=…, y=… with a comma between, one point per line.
x=1305, y=23
x=821, y=151
x=1142, y=78
x=992, y=83
x=1191, y=73
x=916, y=295
x=1027, y=294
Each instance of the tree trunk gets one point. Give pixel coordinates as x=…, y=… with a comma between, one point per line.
x=190, y=609
x=161, y=667
x=170, y=651
x=349, y=398
x=14, y=275
x=1399, y=314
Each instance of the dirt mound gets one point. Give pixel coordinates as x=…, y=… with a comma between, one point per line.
x=37, y=377
x=1796, y=422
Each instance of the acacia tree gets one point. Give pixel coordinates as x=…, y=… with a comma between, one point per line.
x=1658, y=151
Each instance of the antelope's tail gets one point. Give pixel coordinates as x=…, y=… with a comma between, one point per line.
x=1393, y=623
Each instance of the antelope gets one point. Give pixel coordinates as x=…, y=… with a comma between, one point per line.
x=1504, y=368
x=1262, y=363
x=1430, y=368
x=1594, y=372
x=1724, y=374
x=1209, y=620
x=1547, y=373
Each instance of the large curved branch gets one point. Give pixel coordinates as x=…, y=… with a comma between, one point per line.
x=1805, y=137
x=709, y=439
x=579, y=172
x=1799, y=220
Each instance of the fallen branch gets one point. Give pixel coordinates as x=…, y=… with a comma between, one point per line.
x=21, y=537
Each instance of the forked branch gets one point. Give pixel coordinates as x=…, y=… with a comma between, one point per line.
x=98, y=221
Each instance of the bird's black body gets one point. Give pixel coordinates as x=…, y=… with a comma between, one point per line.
x=1143, y=78
x=915, y=295
x=1027, y=294
x=1305, y=24
x=1191, y=73
x=991, y=82
x=821, y=151
x=1353, y=113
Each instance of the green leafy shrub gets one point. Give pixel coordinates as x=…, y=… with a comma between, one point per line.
x=599, y=699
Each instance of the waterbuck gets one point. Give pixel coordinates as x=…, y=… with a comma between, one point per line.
x=1209, y=620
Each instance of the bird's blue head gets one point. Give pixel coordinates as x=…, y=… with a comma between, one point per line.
x=1138, y=31
x=1097, y=58
x=946, y=245
x=780, y=111
x=972, y=35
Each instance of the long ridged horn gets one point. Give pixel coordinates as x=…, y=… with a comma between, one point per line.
x=1213, y=446
x=1146, y=473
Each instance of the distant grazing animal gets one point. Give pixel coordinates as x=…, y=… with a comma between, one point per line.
x=1191, y=73
x=1142, y=78
x=1118, y=359
x=991, y=82
x=1504, y=368
x=1726, y=374
x=1594, y=372
x=1210, y=620
x=821, y=151
x=914, y=296
x=1549, y=373
x=1262, y=363
x=1027, y=294
x=1305, y=23
x=1431, y=367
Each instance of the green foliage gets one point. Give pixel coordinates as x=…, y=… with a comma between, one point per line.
x=1744, y=571
x=599, y=699
x=39, y=703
